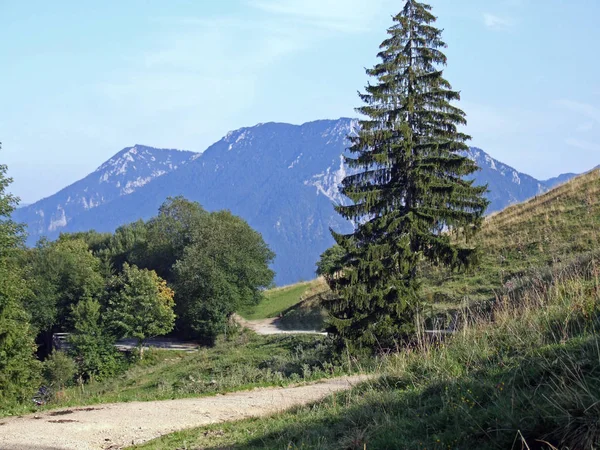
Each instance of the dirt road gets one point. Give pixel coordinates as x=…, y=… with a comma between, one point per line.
x=269, y=326
x=121, y=424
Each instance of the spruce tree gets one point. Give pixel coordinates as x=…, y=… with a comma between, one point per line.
x=409, y=197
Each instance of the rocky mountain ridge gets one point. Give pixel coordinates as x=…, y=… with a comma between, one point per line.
x=283, y=179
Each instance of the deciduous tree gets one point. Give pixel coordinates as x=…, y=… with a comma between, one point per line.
x=60, y=274
x=92, y=345
x=142, y=306
x=225, y=268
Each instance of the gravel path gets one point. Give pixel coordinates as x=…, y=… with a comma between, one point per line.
x=121, y=424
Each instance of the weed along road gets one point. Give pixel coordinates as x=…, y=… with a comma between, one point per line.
x=116, y=425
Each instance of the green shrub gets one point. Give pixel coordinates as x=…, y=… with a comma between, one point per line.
x=59, y=370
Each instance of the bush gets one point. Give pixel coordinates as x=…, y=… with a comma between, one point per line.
x=143, y=306
x=59, y=370
x=91, y=346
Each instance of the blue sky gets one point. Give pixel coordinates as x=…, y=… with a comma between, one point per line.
x=81, y=80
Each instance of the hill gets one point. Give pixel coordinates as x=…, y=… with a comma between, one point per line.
x=281, y=299
x=522, y=373
x=296, y=307
x=544, y=233
x=524, y=241
x=525, y=376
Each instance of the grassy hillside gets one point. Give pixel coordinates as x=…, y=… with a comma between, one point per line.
x=540, y=235
x=545, y=232
x=306, y=315
x=525, y=376
x=282, y=299
x=523, y=373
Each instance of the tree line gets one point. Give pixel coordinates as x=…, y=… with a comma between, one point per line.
x=183, y=272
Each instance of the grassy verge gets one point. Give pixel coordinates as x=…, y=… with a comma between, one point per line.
x=524, y=375
x=281, y=299
x=243, y=361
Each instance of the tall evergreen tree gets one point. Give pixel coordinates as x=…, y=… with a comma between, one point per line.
x=409, y=192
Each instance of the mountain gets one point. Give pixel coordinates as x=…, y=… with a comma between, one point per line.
x=280, y=178
x=123, y=174
x=283, y=179
x=506, y=185
x=562, y=178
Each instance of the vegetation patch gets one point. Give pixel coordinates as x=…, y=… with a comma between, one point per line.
x=308, y=315
x=524, y=375
x=525, y=241
x=546, y=232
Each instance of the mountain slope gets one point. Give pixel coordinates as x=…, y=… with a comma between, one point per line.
x=281, y=178
x=123, y=174
x=506, y=185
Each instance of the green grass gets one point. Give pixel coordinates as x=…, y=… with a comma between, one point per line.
x=543, y=233
x=523, y=370
x=240, y=362
x=306, y=315
x=281, y=299
x=524, y=375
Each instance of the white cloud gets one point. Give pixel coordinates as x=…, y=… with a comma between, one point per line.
x=220, y=61
x=350, y=16
x=498, y=23
x=586, y=126
x=202, y=62
x=582, y=145
x=590, y=111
